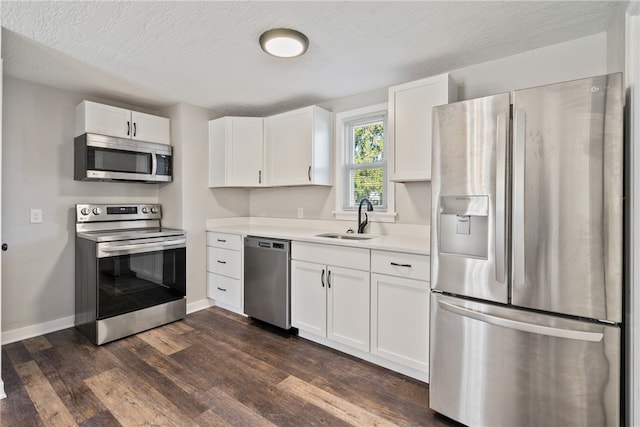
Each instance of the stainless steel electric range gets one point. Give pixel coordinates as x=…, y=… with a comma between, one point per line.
x=130, y=271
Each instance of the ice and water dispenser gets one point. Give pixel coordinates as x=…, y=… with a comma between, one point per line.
x=464, y=225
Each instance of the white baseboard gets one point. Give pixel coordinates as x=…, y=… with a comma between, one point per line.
x=192, y=307
x=26, y=332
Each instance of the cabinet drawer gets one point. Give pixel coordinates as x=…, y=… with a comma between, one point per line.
x=224, y=289
x=410, y=266
x=224, y=240
x=224, y=261
x=339, y=256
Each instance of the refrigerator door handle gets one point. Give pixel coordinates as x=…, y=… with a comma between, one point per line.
x=501, y=182
x=523, y=326
x=519, y=118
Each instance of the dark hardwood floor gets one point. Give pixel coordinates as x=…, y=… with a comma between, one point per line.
x=213, y=368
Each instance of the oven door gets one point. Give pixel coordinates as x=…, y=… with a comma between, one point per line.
x=136, y=274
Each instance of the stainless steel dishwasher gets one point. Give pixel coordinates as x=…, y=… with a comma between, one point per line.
x=267, y=289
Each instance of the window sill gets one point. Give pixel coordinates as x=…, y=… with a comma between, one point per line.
x=373, y=216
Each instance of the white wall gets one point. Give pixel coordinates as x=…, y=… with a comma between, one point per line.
x=571, y=60
x=189, y=202
x=566, y=61
x=632, y=318
x=37, y=172
x=616, y=39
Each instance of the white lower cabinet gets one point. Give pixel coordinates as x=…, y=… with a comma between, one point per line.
x=348, y=296
x=309, y=297
x=224, y=290
x=328, y=300
x=224, y=270
x=400, y=308
x=400, y=320
x=371, y=304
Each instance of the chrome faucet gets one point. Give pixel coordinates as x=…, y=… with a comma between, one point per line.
x=363, y=224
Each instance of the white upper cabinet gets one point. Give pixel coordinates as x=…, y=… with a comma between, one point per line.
x=104, y=119
x=147, y=127
x=409, y=135
x=298, y=147
x=236, y=152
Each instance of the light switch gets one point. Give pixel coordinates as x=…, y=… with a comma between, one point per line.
x=36, y=216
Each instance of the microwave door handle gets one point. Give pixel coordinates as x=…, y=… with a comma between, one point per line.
x=154, y=163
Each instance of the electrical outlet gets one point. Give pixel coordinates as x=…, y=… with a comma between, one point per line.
x=300, y=212
x=36, y=216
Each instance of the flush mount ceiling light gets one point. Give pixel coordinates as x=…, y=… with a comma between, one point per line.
x=284, y=42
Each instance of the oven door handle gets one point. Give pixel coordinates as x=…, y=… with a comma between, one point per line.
x=133, y=248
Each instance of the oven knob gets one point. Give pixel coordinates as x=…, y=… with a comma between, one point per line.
x=97, y=211
x=145, y=210
x=85, y=211
x=154, y=210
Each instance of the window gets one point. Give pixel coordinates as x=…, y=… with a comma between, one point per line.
x=362, y=161
x=365, y=166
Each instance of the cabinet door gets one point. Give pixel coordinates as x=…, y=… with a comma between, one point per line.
x=103, y=119
x=245, y=153
x=289, y=148
x=309, y=297
x=400, y=320
x=348, y=307
x=147, y=127
x=410, y=108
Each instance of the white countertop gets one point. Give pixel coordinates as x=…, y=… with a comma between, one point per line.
x=398, y=243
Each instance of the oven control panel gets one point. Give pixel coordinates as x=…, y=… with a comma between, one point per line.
x=124, y=212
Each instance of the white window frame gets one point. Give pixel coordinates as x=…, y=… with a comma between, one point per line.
x=340, y=140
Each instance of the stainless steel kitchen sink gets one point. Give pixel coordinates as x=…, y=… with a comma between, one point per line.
x=345, y=236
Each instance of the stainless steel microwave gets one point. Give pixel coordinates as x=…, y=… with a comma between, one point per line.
x=107, y=158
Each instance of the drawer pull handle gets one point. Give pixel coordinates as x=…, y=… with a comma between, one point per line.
x=222, y=262
x=222, y=289
x=222, y=241
x=395, y=264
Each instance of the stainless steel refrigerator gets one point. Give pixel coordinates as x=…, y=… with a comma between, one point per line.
x=527, y=256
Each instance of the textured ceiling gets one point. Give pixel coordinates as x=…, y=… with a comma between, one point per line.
x=156, y=54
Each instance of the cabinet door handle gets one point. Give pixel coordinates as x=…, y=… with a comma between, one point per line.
x=329, y=278
x=222, y=240
x=128, y=128
x=222, y=289
x=395, y=264
x=309, y=173
x=134, y=128
x=222, y=262
x=322, y=278
x=259, y=177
